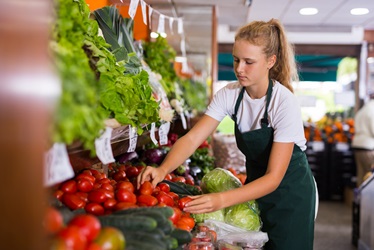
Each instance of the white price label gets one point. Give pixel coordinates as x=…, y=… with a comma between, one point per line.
x=171, y=20
x=104, y=148
x=133, y=139
x=150, y=10
x=161, y=24
x=133, y=7
x=342, y=146
x=144, y=11
x=57, y=165
x=153, y=133
x=180, y=26
x=183, y=119
x=163, y=133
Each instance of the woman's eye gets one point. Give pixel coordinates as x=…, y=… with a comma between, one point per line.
x=248, y=62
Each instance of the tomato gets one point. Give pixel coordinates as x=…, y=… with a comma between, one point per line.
x=69, y=187
x=168, y=177
x=85, y=176
x=183, y=201
x=73, y=238
x=108, y=194
x=155, y=191
x=97, y=196
x=107, y=186
x=111, y=238
x=146, y=188
x=147, y=200
x=213, y=234
x=84, y=185
x=125, y=195
x=83, y=196
x=120, y=175
x=163, y=197
x=72, y=201
x=132, y=171
x=53, y=220
x=124, y=205
x=94, y=208
x=104, y=180
x=164, y=187
x=178, y=179
x=58, y=194
x=183, y=226
x=126, y=185
x=177, y=213
x=88, y=224
x=174, y=196
x=94, y=246
x=109, y=204
x=190, y=180
x=186, y=220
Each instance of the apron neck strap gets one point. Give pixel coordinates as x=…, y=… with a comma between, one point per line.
x=264, y=121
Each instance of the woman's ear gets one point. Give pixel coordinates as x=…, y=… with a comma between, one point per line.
x=271, y=61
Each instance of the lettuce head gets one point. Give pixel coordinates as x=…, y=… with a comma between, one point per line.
x=216, y=215
x=218, y=180
x=245, y=215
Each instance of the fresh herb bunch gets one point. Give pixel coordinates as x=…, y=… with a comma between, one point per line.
x=195, y=94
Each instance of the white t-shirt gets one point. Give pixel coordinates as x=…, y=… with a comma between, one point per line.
x=284, y=114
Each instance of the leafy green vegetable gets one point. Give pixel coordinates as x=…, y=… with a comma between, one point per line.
x=195, y=94
x=245, y=215
x=218, y=215
x=219, y=180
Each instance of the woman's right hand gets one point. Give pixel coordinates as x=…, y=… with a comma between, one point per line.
x=152, y=174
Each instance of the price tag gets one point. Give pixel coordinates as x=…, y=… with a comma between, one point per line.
x=183, y=119
x=133, y=139
x=341, y=146
x=57, y=165
x=150, y=10
x=171, y=20
x=318, y=146
x=161, y=24
x=180, y=26
x=153, y=133
x=144, y=11
x=104, y=148
x=163, y=133
x=133, y=7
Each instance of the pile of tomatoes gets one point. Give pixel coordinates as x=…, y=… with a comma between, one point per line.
x=99, y=194
x=83, y=232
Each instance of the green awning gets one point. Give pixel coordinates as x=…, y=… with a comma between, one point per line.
x=310, y=67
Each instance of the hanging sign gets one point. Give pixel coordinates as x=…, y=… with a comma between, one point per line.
x=153, y=133
x=171, y=20
x=180, y=26
x=163, y=133
x=57, y=165
x=144, y=11
x=104, y=148
x=161, y=24
x=133, y=7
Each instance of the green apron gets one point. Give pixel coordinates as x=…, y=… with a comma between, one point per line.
x=288, y=212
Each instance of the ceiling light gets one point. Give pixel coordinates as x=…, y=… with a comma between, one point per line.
x=359, y=11
x=308, y=11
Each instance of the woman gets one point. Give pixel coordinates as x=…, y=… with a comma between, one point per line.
x=268, y=130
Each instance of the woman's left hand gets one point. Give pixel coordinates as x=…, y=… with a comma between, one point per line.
x=204, y=203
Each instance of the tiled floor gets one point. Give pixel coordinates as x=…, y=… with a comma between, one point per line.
x=333, y=228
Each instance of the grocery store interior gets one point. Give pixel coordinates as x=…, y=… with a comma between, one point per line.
x=92, y=91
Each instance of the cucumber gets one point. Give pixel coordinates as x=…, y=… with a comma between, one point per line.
x=128, y=222
x=182, y=236
x=183, y=189
x=172, y=243
x=149, y=237
x=141, y=245
x=165, y=211
x=163, y=223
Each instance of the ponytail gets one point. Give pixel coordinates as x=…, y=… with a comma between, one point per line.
x=272, y=38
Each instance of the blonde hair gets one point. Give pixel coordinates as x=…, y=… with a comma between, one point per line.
x=272, y=38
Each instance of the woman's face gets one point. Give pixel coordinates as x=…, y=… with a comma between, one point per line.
x=250, y=64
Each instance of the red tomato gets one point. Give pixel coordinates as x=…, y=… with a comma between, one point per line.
x=53, y=220
x=120, y=175
x=94, y=208
x=155, y=191
x=72, y=201
x=85, y=176
x=109, y=204
x=125, y=185
x=176, y=215
x=107, y=186
x=88, y=224
x=183, y=201
x=190, y=180
x=146, y=188
x=164, y=187
x=168, y=177
x=126, y=196
x=147, y=200
x=104, y=180
x=124, y=205
x=140, y=168
x=85, y=185
x=73, y=238
x=174, y=196
x=132, y=171
x=58, y=194
x=69, y=187
x=163, y=197
x=83, y=196
x=179, y=179
x=108, y=194
x=186, y=220
x=97, y=196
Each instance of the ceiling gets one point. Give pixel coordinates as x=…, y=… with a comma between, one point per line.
x=333, y=24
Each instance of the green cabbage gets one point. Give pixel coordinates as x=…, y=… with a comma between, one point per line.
x=245, y=215
x=216, y=215
x=218, y=180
